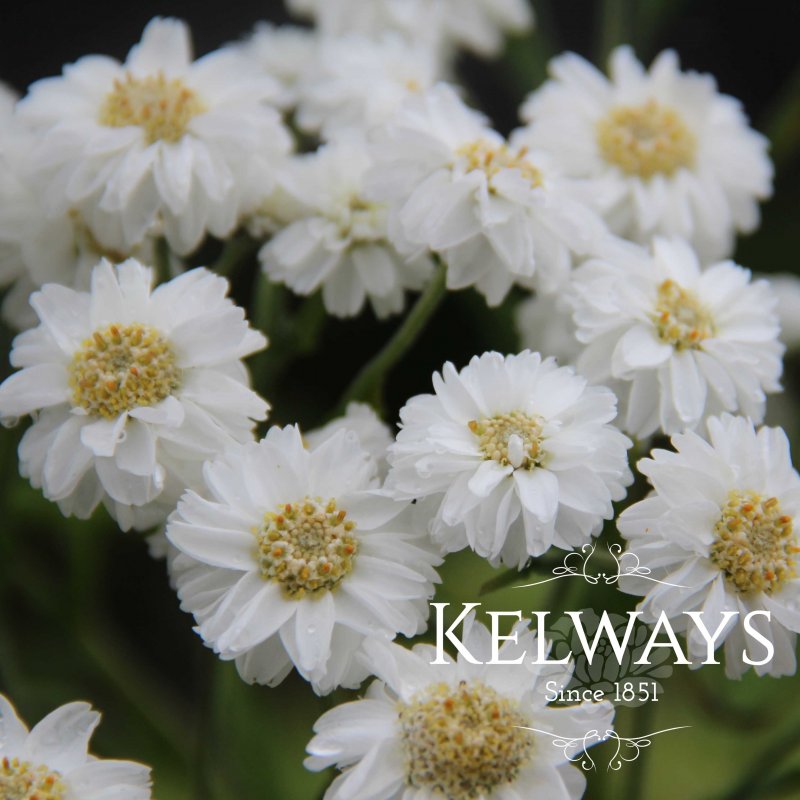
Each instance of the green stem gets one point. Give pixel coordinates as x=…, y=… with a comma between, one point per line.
x=235, y=252
x=614, y=28
x=782, y=122
x=141, y=688
x=525, y=60
x=207, y=772
x=651, y=18
x=162, y=260
x=270, y=315
x=757, y=776
x=369, y=383
x=637, y=770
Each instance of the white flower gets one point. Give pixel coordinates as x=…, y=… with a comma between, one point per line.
x=722, y=522
x=338, y=239
x=283, y=52
x=157, y=142
x=544, y=323
x=476, y=25
x=786, y=288
x=15, y=202
x=518, y=453
x=663, y=152
x=373, y=434
x=297, y=557
x=130, y=389
x=356, y=82
x=36, y=248
x=456, y=730
x=496, y=213
x=52, y=762
x=682, y=343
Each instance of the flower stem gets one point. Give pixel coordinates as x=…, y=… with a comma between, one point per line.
x=368, y=385
x=757, y=777
x=782, y=122
x=524, y=62
x=651, y=18
x=269, y=313
x=236, y=250
x=162, y=260
x=132, y=679
x=638, y=768
x=614, y=28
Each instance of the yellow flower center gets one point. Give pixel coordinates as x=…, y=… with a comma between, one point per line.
x=21, y=780
x=491, y=159
x=162, y=107
x=361, y=220
x=463, y=742
x=680, y=318
x=755, y=546
x=123, y=367
x=307, y=547
x=646, y=140
x=514, y=438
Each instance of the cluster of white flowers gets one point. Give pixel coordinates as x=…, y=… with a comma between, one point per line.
x=347, y=152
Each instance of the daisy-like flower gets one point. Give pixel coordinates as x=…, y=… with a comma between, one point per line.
x=518, y=453
x=663, y=151
x=457, y=730
x=722, y=523
x=680, y=343
x=477, y=25
x=373, y=434
x=157, y=143
x=495, y=213
x=357, y=82
x=52, y=762
x=338, y=239
x=296, y=557
x=131, y=389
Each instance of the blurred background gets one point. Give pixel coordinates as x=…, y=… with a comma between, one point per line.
x=86, y=613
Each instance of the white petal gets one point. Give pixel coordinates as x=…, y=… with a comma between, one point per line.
x=487, y=477
x=103, y=436
x=12, y=730
x=34, y=388
x=313, y=628
x=165, y=46
x=136, y=453
x=218, y=547
x=67, y=460
x=688, y=387
x=538, y=492
x=61, y=739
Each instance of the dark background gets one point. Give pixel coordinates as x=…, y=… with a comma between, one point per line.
x=751, y=47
